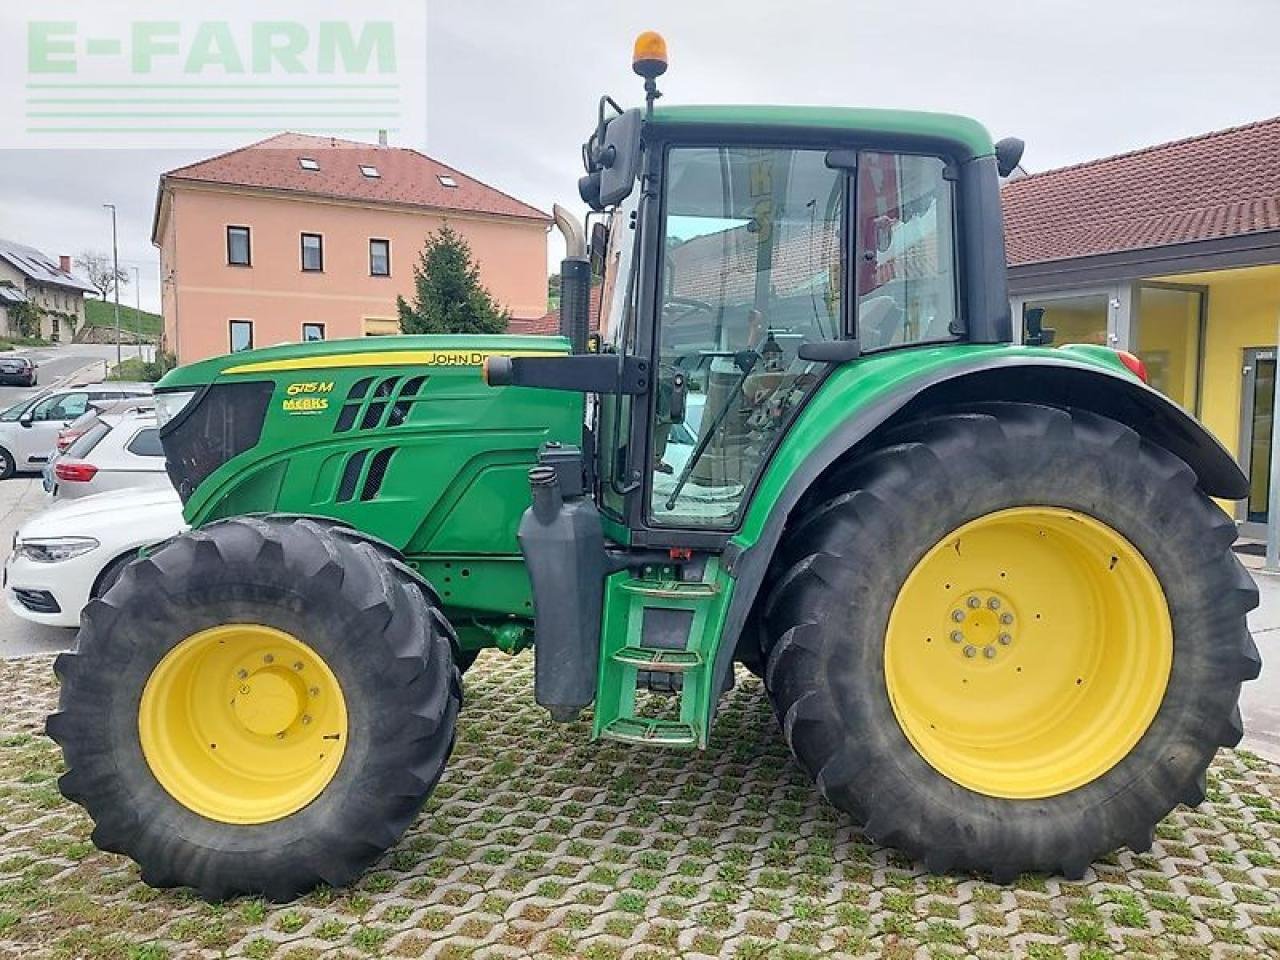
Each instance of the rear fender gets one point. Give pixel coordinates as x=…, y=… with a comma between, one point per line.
x=1058, y=377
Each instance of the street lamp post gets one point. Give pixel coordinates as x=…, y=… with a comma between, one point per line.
x=137, y=294
x=115, y=267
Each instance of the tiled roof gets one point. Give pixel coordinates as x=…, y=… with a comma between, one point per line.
x=404, y=176
x=1220, y=184
x=549, y=323
x=36, y=266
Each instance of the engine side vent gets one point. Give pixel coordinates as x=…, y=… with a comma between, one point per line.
x=377, y=472
x=351, y=406
x=405, y=400
x=351, y=475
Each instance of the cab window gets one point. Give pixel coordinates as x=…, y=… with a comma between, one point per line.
x=905, y=234
x=751, y=271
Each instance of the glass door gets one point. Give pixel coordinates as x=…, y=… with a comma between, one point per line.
x=1258, y=398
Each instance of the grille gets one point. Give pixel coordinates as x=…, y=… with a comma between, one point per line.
x=365, y=409
x=222, y=424
x=37, y=601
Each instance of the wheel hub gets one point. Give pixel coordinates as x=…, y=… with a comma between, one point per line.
x=982, y=624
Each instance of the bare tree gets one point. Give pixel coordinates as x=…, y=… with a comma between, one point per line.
x=97, y=269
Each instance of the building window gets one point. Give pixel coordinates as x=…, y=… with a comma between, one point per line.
x=312, y=252
x=370, y=171
x=238, y=246
x=307, y=163
x=241, y=335
x=380, y=258
x=312, y=332
x=446, y=181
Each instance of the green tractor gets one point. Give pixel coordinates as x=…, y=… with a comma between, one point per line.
x=993, y=604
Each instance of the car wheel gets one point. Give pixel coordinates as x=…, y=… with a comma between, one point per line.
x=7, y=466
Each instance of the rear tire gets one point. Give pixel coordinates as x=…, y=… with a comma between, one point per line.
x=844, y=692
x=7, y=466
x=372, y=642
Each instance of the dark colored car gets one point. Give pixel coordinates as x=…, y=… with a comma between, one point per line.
x=19, y=370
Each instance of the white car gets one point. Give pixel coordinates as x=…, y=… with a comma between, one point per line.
x=115, y=452
x=29, y=428
x=73, y=552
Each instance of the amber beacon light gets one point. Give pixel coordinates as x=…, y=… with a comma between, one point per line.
x=649, y=58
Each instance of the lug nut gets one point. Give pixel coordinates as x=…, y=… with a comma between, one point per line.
x=244, y=688
x=306, y=719
x=974, y=602
x=1006, y=618
x=971, y=651
x=242, y=673
x=297, y=665
x=314, y=691
x=268, y=658
x=957, y=616
x=989, y=652
x=957, y=636
x=994, y=603
x=280, y=735
x=1005, y=639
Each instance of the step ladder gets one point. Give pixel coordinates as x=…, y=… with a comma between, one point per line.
x=655, y=623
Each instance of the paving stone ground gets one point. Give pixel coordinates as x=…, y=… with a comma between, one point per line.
x=540, y=843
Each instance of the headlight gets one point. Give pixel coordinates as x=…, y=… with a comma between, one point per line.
x=169, y=405
x=55, y=549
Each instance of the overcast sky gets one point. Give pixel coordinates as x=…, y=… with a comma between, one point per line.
x=512, y=88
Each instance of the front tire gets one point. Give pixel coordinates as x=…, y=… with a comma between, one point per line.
x=1010, y=639
x=257, y=707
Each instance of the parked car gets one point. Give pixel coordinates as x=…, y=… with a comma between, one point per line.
x=79, y=426
x=118, y=451
x=20, y=370
x=74, y=551
x=29, y=428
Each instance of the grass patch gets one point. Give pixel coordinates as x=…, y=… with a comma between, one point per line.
x=102, y=313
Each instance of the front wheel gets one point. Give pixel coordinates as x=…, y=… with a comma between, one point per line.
x=259, y=706
x=1010, y=639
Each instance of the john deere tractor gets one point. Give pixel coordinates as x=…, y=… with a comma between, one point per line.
x=993, y=604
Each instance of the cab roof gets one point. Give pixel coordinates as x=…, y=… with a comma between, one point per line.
x=971, y=136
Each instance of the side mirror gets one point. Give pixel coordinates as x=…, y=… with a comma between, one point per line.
x=829, y=351
x=1037, y=335
x=599, y=245
x=619, y=157
x=679, y=402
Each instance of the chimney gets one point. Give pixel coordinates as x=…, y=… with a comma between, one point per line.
x=64, y=263
x=382, y=138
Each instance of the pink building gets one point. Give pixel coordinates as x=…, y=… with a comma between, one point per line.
x=300, y=237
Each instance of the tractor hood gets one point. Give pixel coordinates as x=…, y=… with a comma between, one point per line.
x=399, y=436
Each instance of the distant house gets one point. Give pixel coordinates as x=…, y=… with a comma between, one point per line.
x=310, y=238
x=28, y=276
x=1171, y=252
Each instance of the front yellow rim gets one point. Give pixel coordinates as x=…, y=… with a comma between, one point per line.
x=243, y=723
x=1028, y=652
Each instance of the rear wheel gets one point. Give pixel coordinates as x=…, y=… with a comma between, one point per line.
x=259, y=706
x=7, y=465
x=1010, y=639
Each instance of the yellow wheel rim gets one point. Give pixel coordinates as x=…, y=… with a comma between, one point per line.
x=243, y=723
x=1028, y=652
